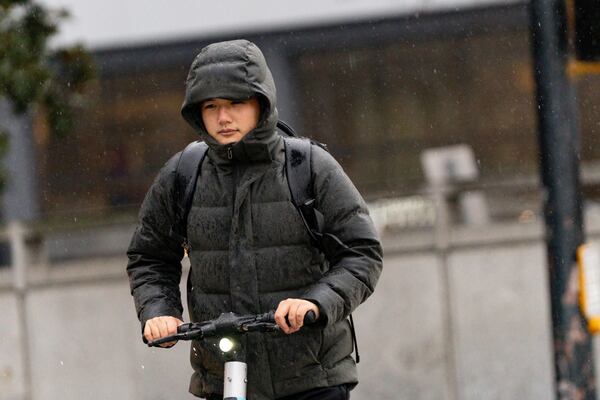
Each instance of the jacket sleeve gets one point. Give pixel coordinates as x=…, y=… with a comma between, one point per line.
x=354, y=268
x=154, y=266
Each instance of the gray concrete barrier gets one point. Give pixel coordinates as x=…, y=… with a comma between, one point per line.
x=475, y=322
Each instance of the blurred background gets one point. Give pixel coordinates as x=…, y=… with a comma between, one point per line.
x=428, y=105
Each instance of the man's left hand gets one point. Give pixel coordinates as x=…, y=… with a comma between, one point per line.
x=294, y=310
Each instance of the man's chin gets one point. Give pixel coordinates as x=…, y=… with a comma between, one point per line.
x=227, y=141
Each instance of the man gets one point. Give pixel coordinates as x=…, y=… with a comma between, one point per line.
x=249, y=250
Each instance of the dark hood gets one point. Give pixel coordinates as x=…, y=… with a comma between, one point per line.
x=233, y=70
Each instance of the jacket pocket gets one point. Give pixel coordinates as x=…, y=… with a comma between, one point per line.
x=336, y=344
x=296, y=354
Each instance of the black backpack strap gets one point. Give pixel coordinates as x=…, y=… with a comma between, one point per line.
x=286, y=128
x=299, y=176
x=186, y=175
x=353, y=334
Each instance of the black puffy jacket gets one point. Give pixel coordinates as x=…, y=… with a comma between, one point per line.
x=248, y=247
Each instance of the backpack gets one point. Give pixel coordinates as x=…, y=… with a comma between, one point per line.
x=299, y=177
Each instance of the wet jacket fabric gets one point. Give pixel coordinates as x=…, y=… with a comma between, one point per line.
x=248, y=246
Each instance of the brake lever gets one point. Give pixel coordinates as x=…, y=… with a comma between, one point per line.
x=184, y=332
x=166, y=339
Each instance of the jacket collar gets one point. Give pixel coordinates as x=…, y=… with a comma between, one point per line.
x=247, y=150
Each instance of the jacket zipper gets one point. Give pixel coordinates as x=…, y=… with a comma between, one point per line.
x=236, y=176
x=236, y=181
x=186, y=247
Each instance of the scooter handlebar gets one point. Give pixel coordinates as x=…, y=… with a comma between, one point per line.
x=226, y=324
x=310, y=317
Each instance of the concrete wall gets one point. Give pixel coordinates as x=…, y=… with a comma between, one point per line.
x=482, y=331
x=473, y=321
x=12, y=385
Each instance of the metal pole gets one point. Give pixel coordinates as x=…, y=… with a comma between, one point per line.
x=559, y=145
x=20, y=196
x=16, y=233
x=442, y=244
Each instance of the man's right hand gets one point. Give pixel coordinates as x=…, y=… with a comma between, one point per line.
x=159, y=327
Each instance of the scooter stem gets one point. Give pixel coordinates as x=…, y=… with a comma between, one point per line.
x=234, y=385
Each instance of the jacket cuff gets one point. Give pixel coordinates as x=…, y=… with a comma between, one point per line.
x=331, y=305
x=157, y=310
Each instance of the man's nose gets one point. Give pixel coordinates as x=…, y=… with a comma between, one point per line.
x=224, y=115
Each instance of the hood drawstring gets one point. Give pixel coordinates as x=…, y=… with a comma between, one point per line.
x=229, y=153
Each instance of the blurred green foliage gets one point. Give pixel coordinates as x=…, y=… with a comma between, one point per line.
x=34, y=75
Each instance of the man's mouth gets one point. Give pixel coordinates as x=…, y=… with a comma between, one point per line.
x=227, y=132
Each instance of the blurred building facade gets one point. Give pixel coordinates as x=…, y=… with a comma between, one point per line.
x=379, y=92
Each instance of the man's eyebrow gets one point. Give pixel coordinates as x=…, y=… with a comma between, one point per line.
x=204, y=102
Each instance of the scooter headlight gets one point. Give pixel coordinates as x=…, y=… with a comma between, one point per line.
x=226, y=345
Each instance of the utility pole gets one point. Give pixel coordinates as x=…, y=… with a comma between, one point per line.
x=559, y=148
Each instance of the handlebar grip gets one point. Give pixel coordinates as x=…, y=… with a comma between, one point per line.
x=184, y=328
x=310, y=318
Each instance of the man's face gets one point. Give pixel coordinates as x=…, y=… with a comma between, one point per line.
x=228, y=121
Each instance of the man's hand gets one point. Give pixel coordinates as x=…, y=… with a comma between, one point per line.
x=159, y=327
x=294, y=310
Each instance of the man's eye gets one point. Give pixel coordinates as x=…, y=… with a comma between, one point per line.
x=208, y=106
